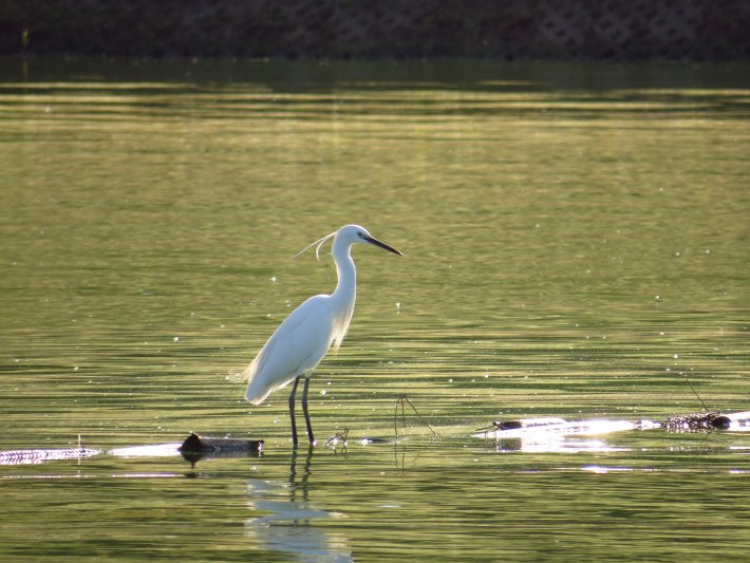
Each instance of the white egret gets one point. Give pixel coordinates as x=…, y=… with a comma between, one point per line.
x=302, y=340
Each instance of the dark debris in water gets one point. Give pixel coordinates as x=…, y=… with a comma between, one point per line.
x=698, y=421
x=196, y=443
x=197, y=447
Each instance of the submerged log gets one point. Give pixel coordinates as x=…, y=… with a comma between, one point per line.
x=532, y=427
x=23, y=457
x=208, y=444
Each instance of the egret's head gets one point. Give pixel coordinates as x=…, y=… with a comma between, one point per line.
x=345, y=237
x=353, y=234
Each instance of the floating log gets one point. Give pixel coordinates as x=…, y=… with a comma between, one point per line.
x=196, y=444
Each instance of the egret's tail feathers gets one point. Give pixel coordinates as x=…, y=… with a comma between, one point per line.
x=255, y=399
x=258, y=386
x=257, y=392
x=254, y=394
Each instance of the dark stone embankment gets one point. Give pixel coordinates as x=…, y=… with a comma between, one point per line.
x=399, y=29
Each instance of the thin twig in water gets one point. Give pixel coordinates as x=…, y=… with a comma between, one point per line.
x=400, y=401
x=485, y=429
x=687, y=379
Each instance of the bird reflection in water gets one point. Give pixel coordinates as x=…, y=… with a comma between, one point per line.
x=289, y=521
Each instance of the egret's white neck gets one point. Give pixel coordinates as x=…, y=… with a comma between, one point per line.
x=346, y=289
x=342, y=299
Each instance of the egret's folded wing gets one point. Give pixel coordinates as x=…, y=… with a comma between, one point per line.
x=295, y=348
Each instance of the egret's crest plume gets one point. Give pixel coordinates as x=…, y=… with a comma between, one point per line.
x=319, y=243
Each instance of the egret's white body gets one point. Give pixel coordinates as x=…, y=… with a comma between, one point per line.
x=305, y=336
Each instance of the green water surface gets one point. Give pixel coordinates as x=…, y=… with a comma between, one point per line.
x=576, y=243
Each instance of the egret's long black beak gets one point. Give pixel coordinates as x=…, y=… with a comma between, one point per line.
x=382, y=245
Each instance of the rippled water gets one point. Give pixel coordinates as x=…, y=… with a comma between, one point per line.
x=576, y=244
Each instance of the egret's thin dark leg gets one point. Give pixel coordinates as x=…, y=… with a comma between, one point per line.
x=291, y=411
x=307, y=414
